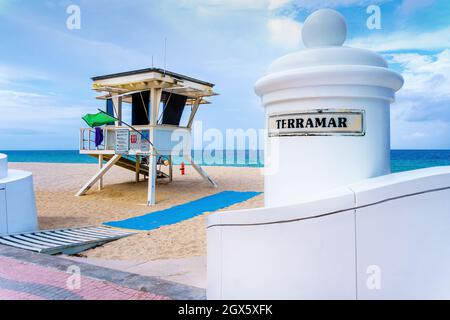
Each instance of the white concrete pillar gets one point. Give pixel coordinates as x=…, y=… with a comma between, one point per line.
x=117, y=102
x=17, y=201
x=327, y=113
x=155, y=99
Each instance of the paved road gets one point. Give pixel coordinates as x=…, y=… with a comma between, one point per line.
x=27, y=275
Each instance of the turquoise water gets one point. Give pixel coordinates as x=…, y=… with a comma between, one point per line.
x=401, y=160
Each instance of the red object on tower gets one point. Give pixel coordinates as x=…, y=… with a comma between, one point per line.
x=182, y=169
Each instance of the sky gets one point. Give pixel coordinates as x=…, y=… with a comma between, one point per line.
x=45, y=67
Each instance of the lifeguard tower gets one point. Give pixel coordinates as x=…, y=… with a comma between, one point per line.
x=159, y=100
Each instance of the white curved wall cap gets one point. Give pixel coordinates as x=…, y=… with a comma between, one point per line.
x=336, y=200
x=367, y=192
x=401, y=184
x=14, y=175
x=3, y=165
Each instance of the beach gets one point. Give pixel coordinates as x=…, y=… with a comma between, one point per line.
x=56, y=184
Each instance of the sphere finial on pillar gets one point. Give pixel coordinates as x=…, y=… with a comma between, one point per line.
x=323, y=28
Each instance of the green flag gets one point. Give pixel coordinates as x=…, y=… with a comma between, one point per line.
x=98, y=119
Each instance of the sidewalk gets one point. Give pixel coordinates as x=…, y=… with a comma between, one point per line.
x=188, y=271
x=28, y=275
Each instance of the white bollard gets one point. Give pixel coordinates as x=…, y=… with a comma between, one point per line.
x=327, y=113
x=17, y=201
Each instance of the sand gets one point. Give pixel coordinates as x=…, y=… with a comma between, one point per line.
x=122, y=197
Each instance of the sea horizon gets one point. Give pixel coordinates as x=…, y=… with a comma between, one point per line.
x=401, y=159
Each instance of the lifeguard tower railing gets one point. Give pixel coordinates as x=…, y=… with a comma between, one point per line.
x=168, y=140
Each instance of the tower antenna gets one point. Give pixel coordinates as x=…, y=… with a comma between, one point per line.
x=165, y=55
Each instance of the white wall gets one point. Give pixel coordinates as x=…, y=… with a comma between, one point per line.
x=282, y=253
x=398, y=223
x=407, y=239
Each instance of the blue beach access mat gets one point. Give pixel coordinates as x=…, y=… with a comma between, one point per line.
x=184, y=211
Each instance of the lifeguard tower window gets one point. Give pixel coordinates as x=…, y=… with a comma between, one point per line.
x=140, y=111
x=173, y=108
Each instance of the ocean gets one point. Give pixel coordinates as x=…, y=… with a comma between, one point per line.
x=401, y=160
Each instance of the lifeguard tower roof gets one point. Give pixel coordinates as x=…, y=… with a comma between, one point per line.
x=147, y=70
x=145, y=79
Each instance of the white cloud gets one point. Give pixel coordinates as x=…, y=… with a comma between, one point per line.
x=108, y=54
x=421, y=115
x=411, y=6
x=284, y=32
x=31, y=117
x=35, y=121
x=425, y=74
x=23, y=108
x=316, y=4
x=275, y=4
x=9, y=74
x=432, y=40
x=214, y=5
x=205, y=6
x=420, y=135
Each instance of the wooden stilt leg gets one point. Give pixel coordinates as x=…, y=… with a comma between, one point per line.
x=138, y=167
x=99, y=175
x=100, y=166
x=170, y=169
x=200, y=171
